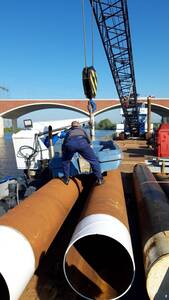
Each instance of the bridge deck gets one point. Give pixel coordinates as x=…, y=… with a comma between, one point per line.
x=14, y=108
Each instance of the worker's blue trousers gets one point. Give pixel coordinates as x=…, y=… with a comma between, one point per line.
x=80, y=145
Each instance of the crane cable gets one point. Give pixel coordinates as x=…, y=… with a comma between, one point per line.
x=89, y=76
x=92, y=30
x=84, y=33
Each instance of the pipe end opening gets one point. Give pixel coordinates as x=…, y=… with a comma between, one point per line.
x=98, y=267
x=4, y=292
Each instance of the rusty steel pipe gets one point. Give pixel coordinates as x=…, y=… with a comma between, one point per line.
x=27, y=231
x=163, y=181
x=153, y=208
x=99, y=263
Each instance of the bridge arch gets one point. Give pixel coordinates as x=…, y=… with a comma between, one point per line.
x=158, y=109
x=112, y=107
x=15, y=113
x=19, y=111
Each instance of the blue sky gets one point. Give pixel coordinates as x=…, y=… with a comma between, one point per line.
x=42, y=55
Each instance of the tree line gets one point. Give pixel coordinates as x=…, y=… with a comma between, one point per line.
x=105, y=124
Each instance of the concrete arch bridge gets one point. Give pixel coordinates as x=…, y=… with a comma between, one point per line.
x=15, y=108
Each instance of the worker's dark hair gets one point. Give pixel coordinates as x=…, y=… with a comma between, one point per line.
x=75, y=124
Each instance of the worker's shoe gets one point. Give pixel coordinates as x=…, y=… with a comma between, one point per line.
x=65, y=180
x=99, y=181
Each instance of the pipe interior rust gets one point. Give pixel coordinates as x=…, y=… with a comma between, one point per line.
x=98, y=263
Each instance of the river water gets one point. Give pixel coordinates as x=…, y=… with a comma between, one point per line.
x=7, y=156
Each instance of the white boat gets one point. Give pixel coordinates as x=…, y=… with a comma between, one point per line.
x=41, y=161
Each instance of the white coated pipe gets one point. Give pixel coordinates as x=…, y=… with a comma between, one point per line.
x=17, y=263
x=27, y=231
x=99, y=226
x=156, y=261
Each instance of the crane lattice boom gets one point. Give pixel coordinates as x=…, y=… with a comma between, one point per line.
x=113, y=24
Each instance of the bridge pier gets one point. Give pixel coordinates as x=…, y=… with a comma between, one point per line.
x=14, y=125
x=1, y=127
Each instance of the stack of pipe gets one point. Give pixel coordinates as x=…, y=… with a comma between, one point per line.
x=27, y=231
x=99, y=263
x=153, y=209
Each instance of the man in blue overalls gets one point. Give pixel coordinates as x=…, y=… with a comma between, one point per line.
x=77, y=140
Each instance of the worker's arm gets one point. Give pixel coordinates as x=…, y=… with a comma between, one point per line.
x=55, y=138
x=62, y=134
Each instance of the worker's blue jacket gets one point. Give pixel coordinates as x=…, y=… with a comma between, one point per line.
x=77, y=140
x=74, y=133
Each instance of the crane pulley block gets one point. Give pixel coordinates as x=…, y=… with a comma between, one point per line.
x=89, y=79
